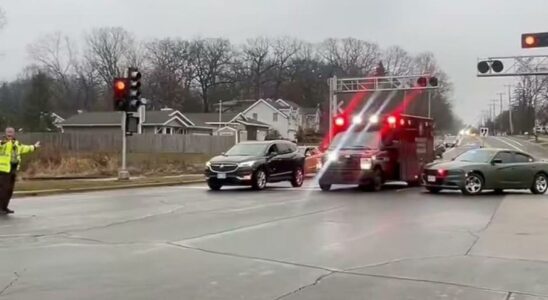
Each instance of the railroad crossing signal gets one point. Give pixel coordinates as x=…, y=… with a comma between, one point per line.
x=484, y=131
x=534, y=40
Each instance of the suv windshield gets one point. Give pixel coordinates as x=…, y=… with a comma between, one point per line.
x=247, y=150
x=356, y=140
x=479, y=156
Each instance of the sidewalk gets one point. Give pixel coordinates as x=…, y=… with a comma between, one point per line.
x=47, y=187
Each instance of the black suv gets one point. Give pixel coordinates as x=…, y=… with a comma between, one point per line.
x=255, y=164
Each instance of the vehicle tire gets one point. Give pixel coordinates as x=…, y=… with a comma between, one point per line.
x=499, y=191
x=298, y=177
x=259, y=179
x=214, y=185
x=376, y=182
x=325, y=187
x=540, y=184
x=433, y=190
x=473, y=184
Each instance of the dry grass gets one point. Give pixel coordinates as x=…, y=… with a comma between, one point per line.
x=52, y=163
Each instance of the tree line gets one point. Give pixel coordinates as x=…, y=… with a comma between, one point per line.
x=66, y=75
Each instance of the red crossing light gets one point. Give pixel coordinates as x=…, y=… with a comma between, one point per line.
x=339, y=121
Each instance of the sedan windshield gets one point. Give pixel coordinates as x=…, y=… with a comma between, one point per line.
x=356, y=140
x=478, y=156
x=247, y=150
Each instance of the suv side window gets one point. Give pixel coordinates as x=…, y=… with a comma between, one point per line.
x=273, y=149
x=283, y=148
x=522, y=158
x=505, y=156
x=292, y=147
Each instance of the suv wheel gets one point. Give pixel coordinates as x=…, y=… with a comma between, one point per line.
x=540, y=184
x=259, y=180
x=376, y=182
x=298, y=177
x=214, y=185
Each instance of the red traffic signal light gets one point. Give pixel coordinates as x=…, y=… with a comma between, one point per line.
x=120, y=94
x=534, y=40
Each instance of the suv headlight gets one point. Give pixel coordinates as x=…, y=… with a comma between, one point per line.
x=246, y=164
x=208, y=164
x=365, y=163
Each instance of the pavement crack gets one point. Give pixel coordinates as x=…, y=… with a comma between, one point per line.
x=293, y=264
x=477, y=235
x=14, y=280
x=320, y=278
x=261, y=223
x=397, y=260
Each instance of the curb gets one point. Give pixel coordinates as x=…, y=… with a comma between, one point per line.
x=98, y=189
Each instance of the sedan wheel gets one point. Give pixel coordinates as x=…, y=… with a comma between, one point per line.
x=540, y=185
x=473, y=184
x=259, y=180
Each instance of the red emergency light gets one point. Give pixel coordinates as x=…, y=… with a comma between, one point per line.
x=339, y=121
x=391, y=120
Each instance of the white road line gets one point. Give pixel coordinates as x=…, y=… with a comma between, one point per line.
x=512, y=141
x=507, y=143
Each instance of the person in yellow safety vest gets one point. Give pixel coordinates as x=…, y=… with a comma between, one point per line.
x=10, y=158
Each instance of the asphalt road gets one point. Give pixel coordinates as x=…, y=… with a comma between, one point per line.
x=283, y=243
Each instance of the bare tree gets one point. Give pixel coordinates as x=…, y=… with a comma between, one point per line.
x=2, y=18
x=172, y=70
x=257, y=55
x=56, y=55
x=351, y=57
x=285, y=49
x=397, y=61
x=212, y=60
x=109, y=51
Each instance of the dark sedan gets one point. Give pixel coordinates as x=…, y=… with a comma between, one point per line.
x=255, y=164
x=487, y=169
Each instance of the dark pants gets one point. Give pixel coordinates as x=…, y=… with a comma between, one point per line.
x=7, y=182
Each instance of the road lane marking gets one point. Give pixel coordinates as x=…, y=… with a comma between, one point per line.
x=512, y=141
x=507, y=143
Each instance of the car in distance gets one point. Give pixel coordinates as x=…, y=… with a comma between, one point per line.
x=450, y=141
x=487, y=169
x=313, y=158
x=255, y=164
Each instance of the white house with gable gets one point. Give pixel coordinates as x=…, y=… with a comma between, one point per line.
x=275, y=114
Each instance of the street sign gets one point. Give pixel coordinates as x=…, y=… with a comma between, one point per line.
x=484, y=131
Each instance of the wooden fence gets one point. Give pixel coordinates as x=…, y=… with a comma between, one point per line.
x=143, y=143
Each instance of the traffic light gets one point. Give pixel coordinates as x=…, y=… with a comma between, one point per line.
x=134, y=89
x=534, y=40
x=120, y=94
x=424, y=82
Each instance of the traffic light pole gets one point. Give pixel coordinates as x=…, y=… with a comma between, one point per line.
x=123, y=174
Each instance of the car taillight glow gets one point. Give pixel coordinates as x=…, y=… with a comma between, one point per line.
x=442, y=172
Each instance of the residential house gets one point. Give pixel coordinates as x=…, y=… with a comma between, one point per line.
x=165, y=121
x=311, y=117
x=232, y=124
x=284, y=116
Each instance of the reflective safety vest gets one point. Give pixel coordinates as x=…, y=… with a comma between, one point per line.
x=10, y=154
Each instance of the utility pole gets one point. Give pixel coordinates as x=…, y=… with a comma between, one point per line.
x=493, y=106
x=510, y=121
x=501, y=119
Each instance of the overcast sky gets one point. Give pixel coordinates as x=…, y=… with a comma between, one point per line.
x=456, y=31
